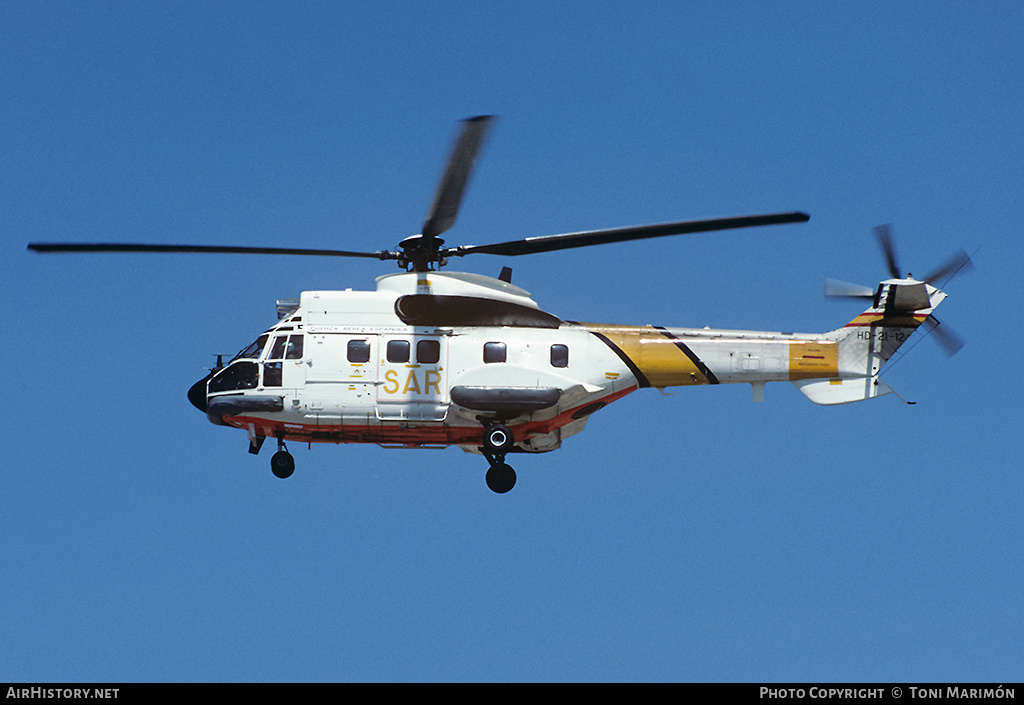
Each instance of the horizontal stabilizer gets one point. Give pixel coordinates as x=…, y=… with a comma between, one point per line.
x=842, y=391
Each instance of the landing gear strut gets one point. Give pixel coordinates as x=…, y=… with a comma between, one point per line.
x=498, y=440
x=282, y=463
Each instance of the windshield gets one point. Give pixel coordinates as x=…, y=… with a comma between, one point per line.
x=254, y=350
x=236, y=376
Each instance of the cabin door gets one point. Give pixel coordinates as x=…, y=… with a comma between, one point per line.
x=412, y=380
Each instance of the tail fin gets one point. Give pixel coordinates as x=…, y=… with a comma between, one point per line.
x=868, y=341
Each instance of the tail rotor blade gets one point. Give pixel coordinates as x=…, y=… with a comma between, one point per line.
x=950, y=341
x=884, y=235
x=836, y=289
x=959, y=261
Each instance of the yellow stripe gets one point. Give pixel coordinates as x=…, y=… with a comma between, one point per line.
x=656, y=356
x=881, y=319
x=812, y=359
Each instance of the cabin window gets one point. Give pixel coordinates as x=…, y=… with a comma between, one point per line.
x=428, y=352
x=559, y=355
x=238, y=375
x=494, y=352
x=358, y=351
x=398, y=350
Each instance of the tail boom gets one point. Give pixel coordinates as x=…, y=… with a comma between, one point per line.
x=837, y=367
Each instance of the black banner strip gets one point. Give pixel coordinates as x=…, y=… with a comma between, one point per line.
x=698, y=363
x=641, y=378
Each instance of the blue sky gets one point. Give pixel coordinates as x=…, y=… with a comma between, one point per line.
x=691, y=537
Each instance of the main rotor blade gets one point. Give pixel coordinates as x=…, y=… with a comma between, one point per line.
x=445, y=207
x=66, y=247
x=550, y=243
x=836, y=289
x=959, y=260
x=884, y=235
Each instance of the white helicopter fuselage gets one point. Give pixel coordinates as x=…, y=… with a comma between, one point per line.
x=435, y=358
x=360, y=373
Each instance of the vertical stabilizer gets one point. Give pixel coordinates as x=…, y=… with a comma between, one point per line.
x=867, y=342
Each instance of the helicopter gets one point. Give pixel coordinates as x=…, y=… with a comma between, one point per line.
x=436, y=358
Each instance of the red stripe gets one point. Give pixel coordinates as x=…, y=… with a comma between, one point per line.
x=404, y=432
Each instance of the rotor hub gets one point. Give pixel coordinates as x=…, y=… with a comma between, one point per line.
x=418, y=252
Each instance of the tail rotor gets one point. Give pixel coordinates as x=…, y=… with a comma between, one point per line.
x=906, y=294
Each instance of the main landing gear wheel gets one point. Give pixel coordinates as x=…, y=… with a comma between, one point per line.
x=501, y=478
x=498, y=439
x=282, y=463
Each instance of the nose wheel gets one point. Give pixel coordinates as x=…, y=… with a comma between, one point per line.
x=498, y=440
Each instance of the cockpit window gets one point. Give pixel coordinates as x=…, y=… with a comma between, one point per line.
x=277, y=350
x=253, y=351
x=237, y=375
x=286, y=347
x=272, y=374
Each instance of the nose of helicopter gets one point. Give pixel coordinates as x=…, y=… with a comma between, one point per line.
x=197, y=393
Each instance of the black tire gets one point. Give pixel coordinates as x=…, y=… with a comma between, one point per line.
x=498, y=439
x=501, y=478
x=282, y=464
